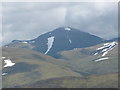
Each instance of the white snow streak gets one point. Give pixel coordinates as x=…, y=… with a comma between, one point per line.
x=104, y=50
x=68, y=29
x=50, y=43
x=104, y=53
x=75, y=48
x=100, y=48
x=101, y=59
x=8, y=63
x=24, y=42
x=70, y=41
x=106, y=43
x=3, y=74
x=95, y=53
x=107, y=47
x=3, y=57
x=32, y=42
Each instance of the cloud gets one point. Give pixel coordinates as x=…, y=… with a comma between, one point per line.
x=96, y=18
x=29, y=20
x=0, y=24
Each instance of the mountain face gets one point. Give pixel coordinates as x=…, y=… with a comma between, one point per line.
x=60, y=39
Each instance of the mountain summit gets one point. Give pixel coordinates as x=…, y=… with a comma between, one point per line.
x=60, y=39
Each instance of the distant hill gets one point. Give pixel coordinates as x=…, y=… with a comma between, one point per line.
x=95, y=60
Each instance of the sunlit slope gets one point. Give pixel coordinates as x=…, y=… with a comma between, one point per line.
x=32, y=66
x=102, y=81
x=84, y=60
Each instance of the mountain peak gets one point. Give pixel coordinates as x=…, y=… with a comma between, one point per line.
x=16, y=41
x=67, y=28
x=60, y=39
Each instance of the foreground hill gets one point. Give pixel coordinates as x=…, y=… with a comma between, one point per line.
x=95, y=66
x=23, y=66
x=103, y=81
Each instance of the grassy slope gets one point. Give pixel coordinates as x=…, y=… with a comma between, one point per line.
x=20, y=45
x=63, y=73
x=82, y=61
x=40, y=67
x=103, y=81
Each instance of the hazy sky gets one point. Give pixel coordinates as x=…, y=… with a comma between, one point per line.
x=26, y=21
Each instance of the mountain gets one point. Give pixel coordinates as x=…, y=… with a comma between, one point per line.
x=63, y=58
x=60, y=39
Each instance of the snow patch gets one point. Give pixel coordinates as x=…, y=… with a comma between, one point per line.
x=101, y=59
x=104, y=50
x=106, y=43
x=70, y=41
x=24, y=42
x=68, y=29
x=8, y=63
x=95, y=53
x=100, y=48
x=106, y=47
x=104, y=53
x=32, y=42
x=6, y=46
x=3, y=74
x=50, y=43
x=75, y=48
x=3, y=57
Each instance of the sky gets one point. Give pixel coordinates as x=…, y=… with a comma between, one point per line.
x=25, y=21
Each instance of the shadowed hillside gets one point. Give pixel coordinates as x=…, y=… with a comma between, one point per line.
x=103, y=81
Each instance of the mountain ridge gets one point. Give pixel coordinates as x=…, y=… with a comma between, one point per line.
x=60, y=39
